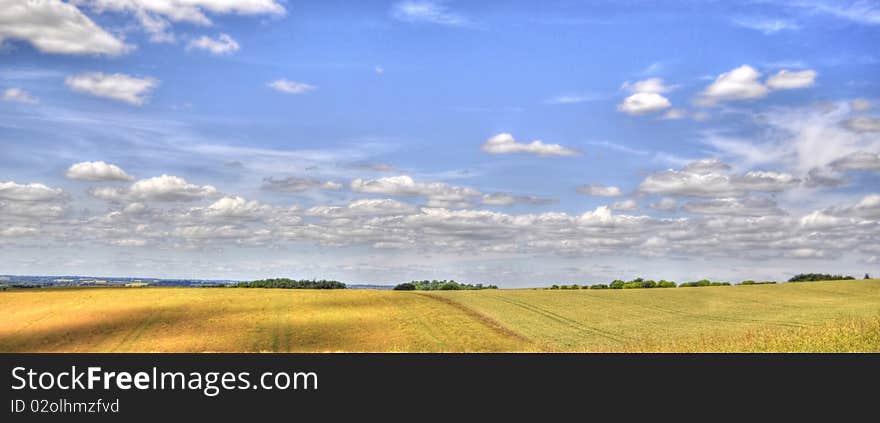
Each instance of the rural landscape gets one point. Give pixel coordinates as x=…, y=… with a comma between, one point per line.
x=270, y=176
x=815, y=316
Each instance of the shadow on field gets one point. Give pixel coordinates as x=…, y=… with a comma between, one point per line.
x=110, y=332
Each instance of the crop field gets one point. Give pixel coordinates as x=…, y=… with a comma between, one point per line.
x=815, y=316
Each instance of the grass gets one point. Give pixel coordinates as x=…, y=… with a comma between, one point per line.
x=806, y=317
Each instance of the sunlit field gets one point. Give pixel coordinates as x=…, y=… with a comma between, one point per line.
x=816, y=316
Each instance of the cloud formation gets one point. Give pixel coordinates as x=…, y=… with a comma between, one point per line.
x=117, y=86
x=223, y=44
x=53, y=26
x=19, y=95
x=96, y=171
x=291, y=87
x=504, y=143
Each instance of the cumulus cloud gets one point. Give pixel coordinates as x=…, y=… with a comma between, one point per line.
x=646, y=98
x=426, y=11
x=156, y=16
x=664, y=204
x=706, y=179
x=363, y=207
x=735, y=207
x=642, y=103
x=291, y=87
x=438, y=194
x=504, y=143
x=295, y=184
x=160, y=188
x=651, y=85
x=600, y=190
x=862, y=124
x=504, y=199
x=235, y=207
x=223, y=44
x=19, y=95
x=29, y=192
x=741, y=83
x=117, y=86
x=53, y=26
x=96, y=171
x=790, y=80
x=626, y=205
x=860, y=160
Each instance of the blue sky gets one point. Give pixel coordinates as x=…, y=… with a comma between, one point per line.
x=499, y=142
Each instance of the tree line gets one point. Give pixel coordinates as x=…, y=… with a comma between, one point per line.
x=291, y=284
x=443, y=285
x=647, y=283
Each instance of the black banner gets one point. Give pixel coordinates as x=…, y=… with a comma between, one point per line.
x=121, y=387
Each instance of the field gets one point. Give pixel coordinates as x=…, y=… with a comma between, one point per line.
x=816, y=316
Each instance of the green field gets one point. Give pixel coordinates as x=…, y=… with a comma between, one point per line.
x=815, y=316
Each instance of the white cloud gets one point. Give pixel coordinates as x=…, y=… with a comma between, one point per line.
x=438, y=194
x=705, y=178
x=96, y=171
x=224, y=44
x=665, y=204
x=864, y=12
x=741, y=83
x=674, y=114
x=159, y=188
x=860, y=160
x=862, y=124
x=235, y=207
x=115, y=86
x=600, y=190
x=156, y=16
x=291, y=87
x=751, y=206
x=503, y=199
x=53, y=26
x=766, y=25
x=170, y=188
x=363, y=207
x=294, y=184
x=572, y=99
x=641, y=103
x=19, y=95
x=29, y=192
x=426, y=11
x=651, y=85
x=504, y=143
x=790, y=80
x=626, y=205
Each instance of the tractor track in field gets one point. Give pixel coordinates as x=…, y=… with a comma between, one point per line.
x=429, y=330
x=571, y=323
x=136, y=333
x=489, y=322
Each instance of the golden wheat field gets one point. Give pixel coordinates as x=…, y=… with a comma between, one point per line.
x=808, y=317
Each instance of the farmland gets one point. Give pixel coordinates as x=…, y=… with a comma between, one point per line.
x=814, y=316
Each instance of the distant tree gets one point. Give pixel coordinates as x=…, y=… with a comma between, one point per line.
x=291, y=284
x=554, y=287
x=867, y=276
x=811, y=277
x=617, y=284
x=662, y=283
x=406, y=286
x=599, y=286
